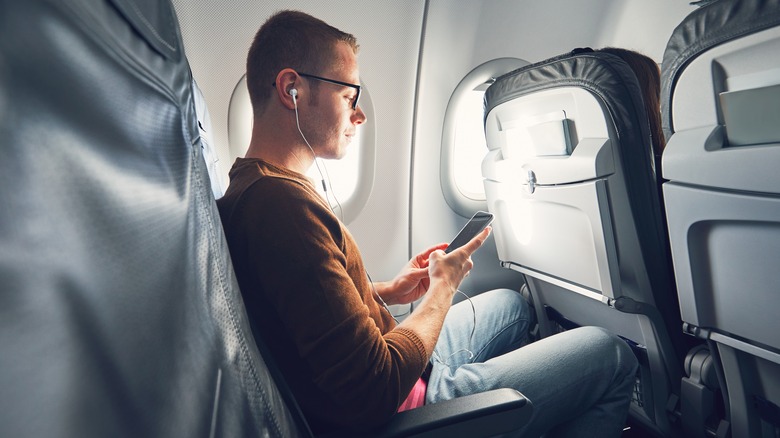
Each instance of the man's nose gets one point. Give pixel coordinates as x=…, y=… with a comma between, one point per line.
x=359, y=117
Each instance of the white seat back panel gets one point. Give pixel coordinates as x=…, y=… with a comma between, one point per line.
x=725, y=248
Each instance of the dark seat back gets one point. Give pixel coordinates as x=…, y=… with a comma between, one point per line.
x=119, y=310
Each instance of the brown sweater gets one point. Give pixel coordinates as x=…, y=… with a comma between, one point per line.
x=308, y=296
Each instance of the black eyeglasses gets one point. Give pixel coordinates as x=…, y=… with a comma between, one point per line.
x=332, y=81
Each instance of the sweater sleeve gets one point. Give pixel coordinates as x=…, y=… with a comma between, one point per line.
x=313, y=277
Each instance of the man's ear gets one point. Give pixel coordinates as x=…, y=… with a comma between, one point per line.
x=286, y=80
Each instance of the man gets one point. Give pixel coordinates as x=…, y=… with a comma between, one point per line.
x=310, y=299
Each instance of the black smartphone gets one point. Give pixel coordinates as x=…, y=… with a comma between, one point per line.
x=477, y=223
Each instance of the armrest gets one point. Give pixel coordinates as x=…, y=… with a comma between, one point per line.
x=485, y=414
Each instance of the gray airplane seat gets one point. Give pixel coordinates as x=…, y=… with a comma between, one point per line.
x=120, y=314
x=721, y=116
x=570, y=177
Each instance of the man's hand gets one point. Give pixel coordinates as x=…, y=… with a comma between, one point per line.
x=415, y=278
x=412, y=282
x=452, y=268
x=443, y=276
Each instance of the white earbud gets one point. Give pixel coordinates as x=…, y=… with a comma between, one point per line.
x=293, y=92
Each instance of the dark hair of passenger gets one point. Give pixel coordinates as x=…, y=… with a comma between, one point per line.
x=649, y=76
x=290, y=39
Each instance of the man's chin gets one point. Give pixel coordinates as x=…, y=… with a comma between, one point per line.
x=334, y=155
x=341, y=153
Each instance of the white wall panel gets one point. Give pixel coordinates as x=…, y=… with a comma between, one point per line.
x=459, y=35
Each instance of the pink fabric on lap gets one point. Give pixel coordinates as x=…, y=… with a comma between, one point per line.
x=416, y=396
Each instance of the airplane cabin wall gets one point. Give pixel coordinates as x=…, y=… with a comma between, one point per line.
x=461, y=35
x=643, y=26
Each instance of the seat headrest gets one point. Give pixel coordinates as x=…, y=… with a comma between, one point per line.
x=709, y=26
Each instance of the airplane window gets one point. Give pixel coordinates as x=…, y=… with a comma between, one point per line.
x=351, y=178
x=343, y=174
x=463, y=138
x=470, y=146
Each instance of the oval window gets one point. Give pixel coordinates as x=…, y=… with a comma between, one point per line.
x=463, y=139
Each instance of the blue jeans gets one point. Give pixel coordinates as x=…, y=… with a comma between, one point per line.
x=579, y=382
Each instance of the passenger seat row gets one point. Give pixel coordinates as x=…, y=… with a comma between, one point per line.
x=679, y=260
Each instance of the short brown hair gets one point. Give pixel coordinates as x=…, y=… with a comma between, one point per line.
x=290, y=39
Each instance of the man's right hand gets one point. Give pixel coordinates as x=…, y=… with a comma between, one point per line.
x=452, y=268
x=445, y=271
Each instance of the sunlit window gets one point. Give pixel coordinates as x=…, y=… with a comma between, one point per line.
x=343, y=174
x=469, y=146
x=463, y=138
x=349, y=179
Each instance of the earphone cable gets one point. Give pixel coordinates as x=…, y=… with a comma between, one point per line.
x=317, y=163
x=435, y=355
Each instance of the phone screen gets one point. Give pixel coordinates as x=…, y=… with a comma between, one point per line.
x=477, y=223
